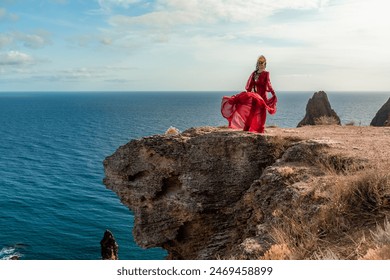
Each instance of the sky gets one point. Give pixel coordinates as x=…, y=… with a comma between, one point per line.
x=193, y=45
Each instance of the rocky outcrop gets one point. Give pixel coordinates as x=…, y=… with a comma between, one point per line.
x=211, y=193
x=319, y=111
x=382, y=117
x=185, y=189
x=109, y=247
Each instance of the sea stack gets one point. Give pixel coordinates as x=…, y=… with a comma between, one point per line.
x=109, y=247
x=319, y=111
x=382, y=117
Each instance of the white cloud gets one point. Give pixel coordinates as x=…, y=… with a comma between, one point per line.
x=75, y=78
x=234, y=20
x=231, y=19
x=15, y=58
x=177, y=12
x=3, y=12
x=106, y=6
x=34, y=40
x=5, y=15
x=213, y=44
x=308, y=43
x=5, y=40
x=84, y=74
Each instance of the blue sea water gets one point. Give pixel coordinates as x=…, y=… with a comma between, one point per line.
x=53, y=204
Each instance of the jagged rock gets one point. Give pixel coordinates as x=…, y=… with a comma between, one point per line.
x=184, y=189
x=319, y=107
x=211, y=193
x=382, y=117
x=109, y=247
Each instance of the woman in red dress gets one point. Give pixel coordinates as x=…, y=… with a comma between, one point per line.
x=248, y=109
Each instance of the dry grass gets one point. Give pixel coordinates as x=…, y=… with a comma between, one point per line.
x=326, y=120
x=337, y=229
x=172, y=131
x=337, y=164
x=382, y=234
x=382, y=247
x=251, y=246
x=277, y=252
x=298, y=235
x=382, y=253
x=339, y=203
x=323, y=206
x=366, y=198
x=326, y=254
x=351, y=123
x=286, y=171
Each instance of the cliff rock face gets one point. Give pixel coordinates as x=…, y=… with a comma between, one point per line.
x=186, y=190
x=211, y=193
x=382, y=117
x=319, y=107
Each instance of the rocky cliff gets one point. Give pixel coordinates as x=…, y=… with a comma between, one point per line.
x=215, y=193
x=382, y=117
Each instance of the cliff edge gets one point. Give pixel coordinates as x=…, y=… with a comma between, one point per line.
x=315, y=192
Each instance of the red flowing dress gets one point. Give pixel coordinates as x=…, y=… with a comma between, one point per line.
x=248, y=110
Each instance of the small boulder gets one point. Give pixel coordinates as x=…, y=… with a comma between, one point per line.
x=382, y=117
x=319, y=111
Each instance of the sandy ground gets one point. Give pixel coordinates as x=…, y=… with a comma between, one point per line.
x=367, y=142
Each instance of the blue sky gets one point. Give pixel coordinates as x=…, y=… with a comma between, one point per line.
x=136, y=45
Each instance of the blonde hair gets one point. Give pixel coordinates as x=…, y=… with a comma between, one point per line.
x=262, y=57
x=261, y=60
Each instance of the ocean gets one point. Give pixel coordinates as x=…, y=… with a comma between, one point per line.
x=53, y=204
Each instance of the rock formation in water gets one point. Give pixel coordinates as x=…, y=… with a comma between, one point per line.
x=319, y=111
x=382, y=117
x=109, y=247
x=215, y=193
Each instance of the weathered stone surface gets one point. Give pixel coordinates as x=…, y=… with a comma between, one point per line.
x=382, y=117
x=109, y=247
x=185, y=190
x=318, y=106
x=211, y=193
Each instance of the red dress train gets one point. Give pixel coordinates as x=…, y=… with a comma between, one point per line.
x=248, y=109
